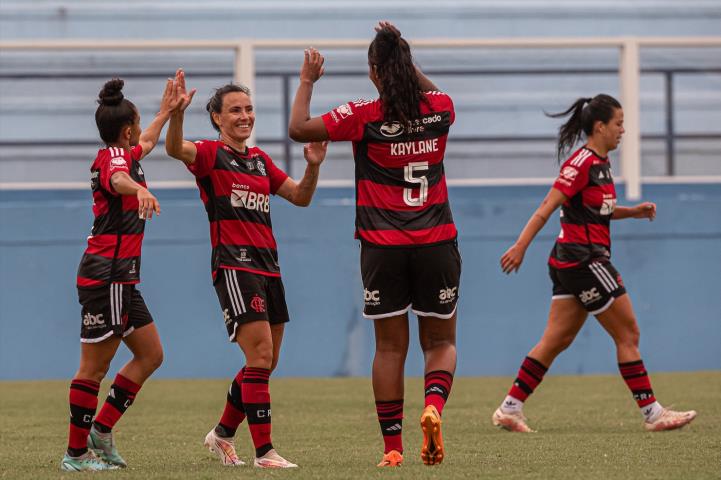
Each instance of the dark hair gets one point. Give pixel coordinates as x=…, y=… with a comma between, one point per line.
x=400, y=90
x=114, y=111
x=585, y=112
x=215, y=104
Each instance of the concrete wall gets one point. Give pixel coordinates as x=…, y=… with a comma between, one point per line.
x=671, y=268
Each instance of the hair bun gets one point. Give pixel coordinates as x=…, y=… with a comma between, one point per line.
x=111, y=94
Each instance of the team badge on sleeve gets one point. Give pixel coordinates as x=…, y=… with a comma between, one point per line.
x=568, y=175
x=118, y=162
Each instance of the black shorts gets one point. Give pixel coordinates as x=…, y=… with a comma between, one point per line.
x=114, y=309
x=249, y=297
x=423, y=279
x=596, y=285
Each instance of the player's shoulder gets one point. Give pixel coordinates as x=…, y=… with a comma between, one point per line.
x=581, y=159
x=437, y=96
x=115, y=157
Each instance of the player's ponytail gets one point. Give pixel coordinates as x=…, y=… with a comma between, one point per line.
x=114, y=112
x=400, y=92
x=585, y=112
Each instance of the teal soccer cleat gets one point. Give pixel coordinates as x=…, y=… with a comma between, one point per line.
x=104, y=445
x=88, y=462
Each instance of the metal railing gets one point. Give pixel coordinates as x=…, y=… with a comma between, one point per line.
x=629, y=73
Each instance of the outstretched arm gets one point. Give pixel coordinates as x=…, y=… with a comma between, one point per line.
x=175, y=145
x=301, y=193
x=512, y=259
x=149, y=137
x=642, y=210
x=303, y=128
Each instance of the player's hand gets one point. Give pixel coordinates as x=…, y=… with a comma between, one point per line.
x=512, y=259
x=169, y=100
x=386, y=24
x=314, y=152
x=184, y=97
x=147, y=204
x=312, y=68
x=645, y=210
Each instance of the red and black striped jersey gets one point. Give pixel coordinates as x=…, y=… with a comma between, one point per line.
x=235, y=188
x=401, y=194
x=113, y=253
x=586, y=180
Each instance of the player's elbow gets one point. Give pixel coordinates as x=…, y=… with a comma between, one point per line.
x=298, y=133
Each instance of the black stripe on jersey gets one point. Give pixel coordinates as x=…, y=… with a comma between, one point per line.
x=229, y=162
x=370, y=218
x=114, y=222
x=430, y=125
x=248, y=256
x=97, y=267
x=368, y=170
x=599, y=175
x=225, y=211
x=579, y=252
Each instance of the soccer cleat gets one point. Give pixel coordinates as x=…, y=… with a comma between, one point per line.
x=513, y=422
x=273, y=460
x=432, y=450
x=224, y=448
x=670, y=420
x=104, y=446
x=87, y=462
x=394, y=458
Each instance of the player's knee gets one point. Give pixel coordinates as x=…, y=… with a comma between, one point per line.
x=260, y=355
x=434, y=342
x=153, y=360
x=629, y=337
x=391, y=346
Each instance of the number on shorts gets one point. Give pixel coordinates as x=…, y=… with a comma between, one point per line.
x=408, y=172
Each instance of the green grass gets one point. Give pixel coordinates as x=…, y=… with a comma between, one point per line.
x=588, y=426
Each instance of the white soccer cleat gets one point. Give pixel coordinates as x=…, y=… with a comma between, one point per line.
x=224, y=448
x=670, y=420
x=273, y=460
x=513, y=422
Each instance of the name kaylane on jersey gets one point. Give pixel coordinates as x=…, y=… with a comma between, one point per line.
x=414, y=148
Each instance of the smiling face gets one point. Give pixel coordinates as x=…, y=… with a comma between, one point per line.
x=609, y=134
x=236, y=117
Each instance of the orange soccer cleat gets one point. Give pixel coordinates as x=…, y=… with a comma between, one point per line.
x=394, y=458
x=513, y=422
x=432, y=451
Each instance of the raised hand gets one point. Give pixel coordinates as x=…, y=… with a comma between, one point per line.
x=312, y=68
x=386, y=24
x=184, y=98
x=314, y=152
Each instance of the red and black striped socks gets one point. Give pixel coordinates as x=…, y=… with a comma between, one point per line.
x=437, y=388
x=83, y=403
x=636, y=378
x=234, y=413
x=256, y=402
x=390, y=417
x=121, y=395
x=529, y=377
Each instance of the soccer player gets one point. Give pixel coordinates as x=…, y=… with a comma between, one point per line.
x=235, y=182
x=112, y=307
x=409, y=253
x=584, y=280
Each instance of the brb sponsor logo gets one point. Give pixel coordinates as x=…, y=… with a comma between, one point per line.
x=447, y=295
x=372, y=297
x=257, y=303
x=249, y=200
x=609, y=204
x=93, y=321
x=589, y=296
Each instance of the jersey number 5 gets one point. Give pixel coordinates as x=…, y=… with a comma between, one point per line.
x=410, y=177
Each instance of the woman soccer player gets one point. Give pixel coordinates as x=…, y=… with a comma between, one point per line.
x=112, y=307
x=235, y=183
x=409, y=254
x=584, y=280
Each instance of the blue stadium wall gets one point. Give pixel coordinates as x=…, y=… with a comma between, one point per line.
x=671, y=268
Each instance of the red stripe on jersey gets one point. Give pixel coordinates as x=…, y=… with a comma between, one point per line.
x=391, y=197
x=437, y=234
x=399, y=154
x=236, y=232
x=555, y=263
x=104, y=245
x=251, y=270
x=577, y=234
x=89, y=282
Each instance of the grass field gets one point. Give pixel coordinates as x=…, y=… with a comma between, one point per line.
x=588, y=426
